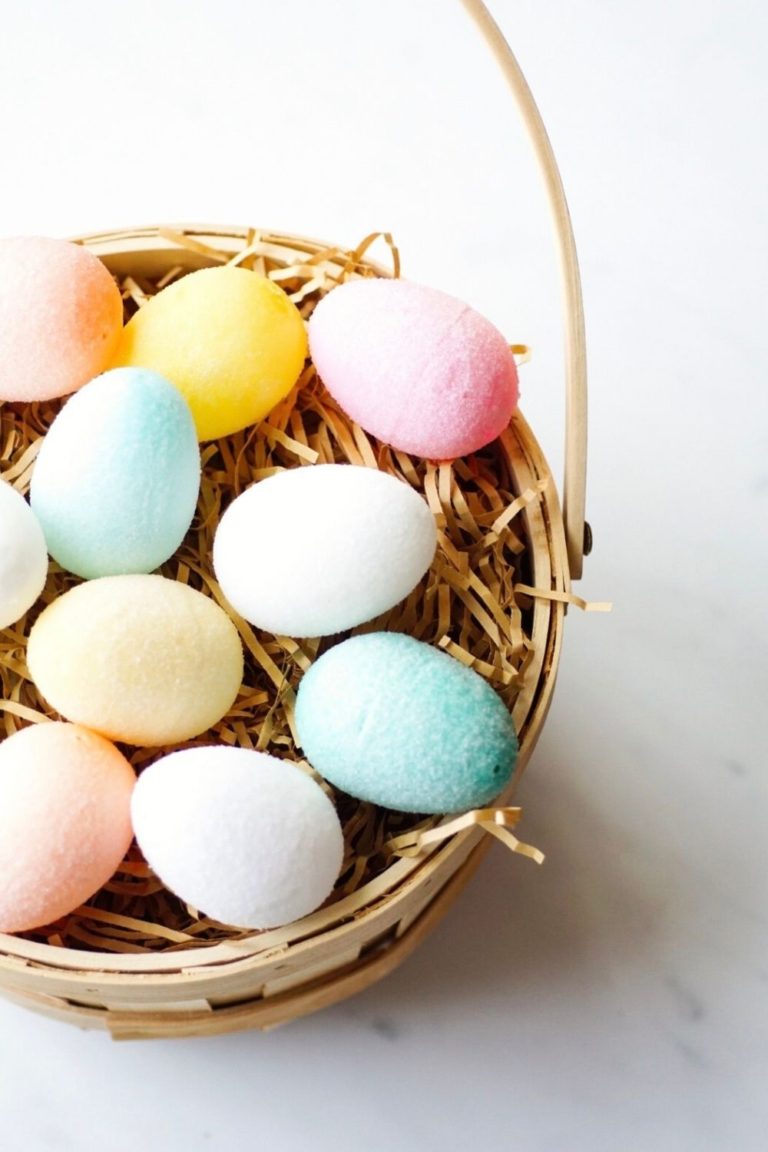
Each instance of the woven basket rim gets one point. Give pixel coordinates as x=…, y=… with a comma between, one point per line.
x=550, y=569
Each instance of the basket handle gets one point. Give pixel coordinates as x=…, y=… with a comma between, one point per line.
x=578, y=537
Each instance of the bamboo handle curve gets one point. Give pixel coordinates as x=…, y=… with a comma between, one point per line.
x=577, y=533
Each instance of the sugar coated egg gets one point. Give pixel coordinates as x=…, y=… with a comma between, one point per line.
x=65, y=821
x=140, y=659
x=314, y=550
x=23, y=558
x=389, y=719
x=61, y=315
x=116, y=480
x=415, y=367
x=229, y=339
x=243, y=837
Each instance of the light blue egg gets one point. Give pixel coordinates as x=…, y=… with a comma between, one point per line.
x=116, y=480
x=392, y=720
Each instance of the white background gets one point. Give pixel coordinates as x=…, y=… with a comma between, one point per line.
x=617, y=998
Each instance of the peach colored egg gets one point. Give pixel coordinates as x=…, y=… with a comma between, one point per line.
x=65, y=825
x=61, y=316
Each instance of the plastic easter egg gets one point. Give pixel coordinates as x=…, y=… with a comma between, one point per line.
x=311, y=551
x=61, y=315
x=116, y=480
x=23, y=558
x=392, y=720
x=244, y=838
x=65, y=821
x=414, y=367
x=229, y=339
x=140, y=659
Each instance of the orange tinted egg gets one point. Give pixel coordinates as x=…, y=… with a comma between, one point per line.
x=61, y=316
x=64, y=821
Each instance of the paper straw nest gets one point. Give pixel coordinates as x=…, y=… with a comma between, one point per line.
x=464, y=605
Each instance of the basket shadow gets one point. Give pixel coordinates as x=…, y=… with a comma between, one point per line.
x=516, y=929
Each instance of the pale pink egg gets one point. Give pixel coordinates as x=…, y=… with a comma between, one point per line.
x=61, y=316
x=65, y=824
x=416, y=368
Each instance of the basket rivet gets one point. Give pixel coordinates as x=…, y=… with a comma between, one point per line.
x=588, y=539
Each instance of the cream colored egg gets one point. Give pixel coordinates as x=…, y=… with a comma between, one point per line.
x=140, y=659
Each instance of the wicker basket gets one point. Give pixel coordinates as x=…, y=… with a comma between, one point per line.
x=264, y=979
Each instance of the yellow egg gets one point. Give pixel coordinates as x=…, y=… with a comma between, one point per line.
x=230, y=340
x=140, y=659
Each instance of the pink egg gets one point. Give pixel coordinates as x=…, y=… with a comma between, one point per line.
x=61, y=316
x=414, y=367
x=65, y=825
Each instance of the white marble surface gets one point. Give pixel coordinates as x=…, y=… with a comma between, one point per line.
x=616, y=999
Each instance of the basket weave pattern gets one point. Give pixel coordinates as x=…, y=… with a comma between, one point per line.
x=137, y=960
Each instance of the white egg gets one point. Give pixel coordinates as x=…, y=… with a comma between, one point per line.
x=315, y=550
x=245, y=838
x=23, y=556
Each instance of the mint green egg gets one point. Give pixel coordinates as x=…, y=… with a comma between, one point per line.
x=116, y=480
x=392, y=720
